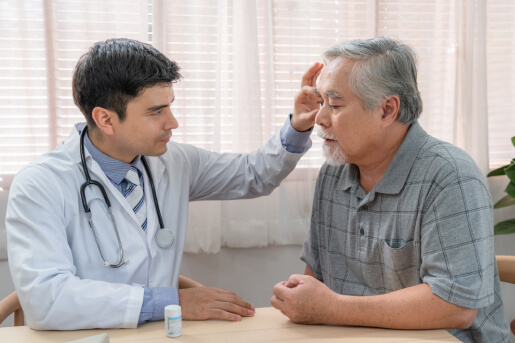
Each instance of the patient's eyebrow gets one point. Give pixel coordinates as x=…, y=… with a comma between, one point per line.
x=332, y=94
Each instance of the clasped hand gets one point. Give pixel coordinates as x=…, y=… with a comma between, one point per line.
x=304, y=299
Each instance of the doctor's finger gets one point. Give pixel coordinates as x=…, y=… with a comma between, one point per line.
x=310, y=76
x=233, y=308
x=222, y=291
x=217, y=313
x=308, y=95
x=234, y=299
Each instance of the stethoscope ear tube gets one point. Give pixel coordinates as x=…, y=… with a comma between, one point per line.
x=83, y=194
x=88, y=182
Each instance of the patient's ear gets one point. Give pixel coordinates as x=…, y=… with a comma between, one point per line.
x=104, y=119
x=390, y=110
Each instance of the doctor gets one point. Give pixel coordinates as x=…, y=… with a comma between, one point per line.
x=96, y=228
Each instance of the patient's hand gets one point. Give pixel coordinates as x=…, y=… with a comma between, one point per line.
x=208, y=302
x=304, y=299
x=307, y=100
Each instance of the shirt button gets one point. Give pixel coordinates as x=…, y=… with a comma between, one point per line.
x=362, y=231
x=365, y=208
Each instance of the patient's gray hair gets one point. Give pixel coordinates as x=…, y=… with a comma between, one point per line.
x=383, y=67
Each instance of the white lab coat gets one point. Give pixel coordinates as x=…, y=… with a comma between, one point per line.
x=55, y=264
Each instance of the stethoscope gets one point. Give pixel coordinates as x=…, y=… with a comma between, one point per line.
x=164, y=237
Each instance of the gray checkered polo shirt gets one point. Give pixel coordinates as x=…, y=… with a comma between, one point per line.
x=429, y=220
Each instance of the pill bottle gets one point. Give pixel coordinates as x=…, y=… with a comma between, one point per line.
x=173, y=321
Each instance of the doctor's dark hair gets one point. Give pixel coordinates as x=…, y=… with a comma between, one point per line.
x=114, y=72
x=383, y=67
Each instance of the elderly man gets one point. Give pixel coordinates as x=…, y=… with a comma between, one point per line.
x=401, y=233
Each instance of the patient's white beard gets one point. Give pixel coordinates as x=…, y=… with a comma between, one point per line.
x=336, y=157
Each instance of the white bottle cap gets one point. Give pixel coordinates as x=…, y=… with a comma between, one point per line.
x=173, y=321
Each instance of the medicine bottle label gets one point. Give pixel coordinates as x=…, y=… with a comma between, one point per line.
x=174, y=326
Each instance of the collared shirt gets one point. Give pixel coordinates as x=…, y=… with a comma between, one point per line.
x=156, y=298
x=429, y=220
x=114, y=169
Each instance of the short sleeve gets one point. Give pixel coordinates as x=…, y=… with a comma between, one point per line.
x=457, y=243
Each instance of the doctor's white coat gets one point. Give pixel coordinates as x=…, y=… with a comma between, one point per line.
x=54, y=261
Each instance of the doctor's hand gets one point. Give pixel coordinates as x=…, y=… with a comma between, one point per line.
x=307, y=100
x=201, y=303
x=304, y=300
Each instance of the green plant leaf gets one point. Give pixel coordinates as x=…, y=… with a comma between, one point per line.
x=510, y=171
x=505, y=227
x=513, y=141
x=510, y=189
x=506, y=201
x=498, y=171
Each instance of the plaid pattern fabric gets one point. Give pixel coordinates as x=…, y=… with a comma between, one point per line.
x=429, y=220
x=135, y=196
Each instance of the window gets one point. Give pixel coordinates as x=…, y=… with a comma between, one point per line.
x=241, y=60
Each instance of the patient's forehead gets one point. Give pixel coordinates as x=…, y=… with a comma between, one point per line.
x=335, y=75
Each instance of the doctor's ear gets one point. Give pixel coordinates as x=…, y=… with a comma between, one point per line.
x=104, y=119
x=390, y=110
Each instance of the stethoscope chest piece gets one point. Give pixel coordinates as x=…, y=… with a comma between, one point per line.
x=164, y=238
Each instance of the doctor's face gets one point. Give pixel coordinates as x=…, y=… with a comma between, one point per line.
x=148, y=124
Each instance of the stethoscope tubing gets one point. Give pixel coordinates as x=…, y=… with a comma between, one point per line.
x=87, y=210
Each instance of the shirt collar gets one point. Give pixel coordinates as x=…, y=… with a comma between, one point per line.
x=348, y=176
x=397, y=173
x=114, y=169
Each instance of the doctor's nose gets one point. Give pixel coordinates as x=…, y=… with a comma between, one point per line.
x=322, y=117
x=171, y=122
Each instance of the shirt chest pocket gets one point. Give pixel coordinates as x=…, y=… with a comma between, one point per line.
x=400, y=265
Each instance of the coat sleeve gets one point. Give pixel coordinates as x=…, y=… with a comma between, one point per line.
x=217, y=176
x=42, y=266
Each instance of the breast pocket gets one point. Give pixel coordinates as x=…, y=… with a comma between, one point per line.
x=400, y=266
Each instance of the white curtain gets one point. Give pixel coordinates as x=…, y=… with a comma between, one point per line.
x=242, y=62
x=233, y=41
x=471, y=121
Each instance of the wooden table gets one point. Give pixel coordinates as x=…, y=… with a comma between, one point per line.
x=267, y=325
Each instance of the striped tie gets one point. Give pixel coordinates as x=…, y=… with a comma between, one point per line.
x=135, y=196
